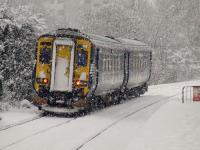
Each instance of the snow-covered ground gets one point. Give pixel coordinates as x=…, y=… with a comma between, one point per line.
x=173, y=127
x=156, y=121
x=15, y=117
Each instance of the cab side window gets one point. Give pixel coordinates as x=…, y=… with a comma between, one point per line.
x=82, y=58
x=45, y=55
x=1, y=88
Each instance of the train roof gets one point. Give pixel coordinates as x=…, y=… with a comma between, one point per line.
x=119, y=43
x=131, y=42
x=100, y=41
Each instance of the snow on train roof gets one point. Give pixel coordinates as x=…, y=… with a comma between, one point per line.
x=131, y=42
x=102, y=41
x=106, y=41
x=100, y=38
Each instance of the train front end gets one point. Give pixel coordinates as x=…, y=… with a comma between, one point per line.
x=61, y=75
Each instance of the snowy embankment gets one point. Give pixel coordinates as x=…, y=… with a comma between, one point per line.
x=173, y=127
x=18, y=115
x=156, y=121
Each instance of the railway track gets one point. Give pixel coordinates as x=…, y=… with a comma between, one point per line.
x=21, y=122
x=34, y=118
x=43, y=114
x=36, y=133
x=71, y=119
x=123, y=118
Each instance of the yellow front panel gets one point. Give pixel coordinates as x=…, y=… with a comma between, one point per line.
x=63, y=51
x=43, y=70
x=80, y=71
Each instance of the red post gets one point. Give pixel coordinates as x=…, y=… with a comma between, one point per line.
x=196, y=93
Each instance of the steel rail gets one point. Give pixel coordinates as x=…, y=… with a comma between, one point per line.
x=123, y=118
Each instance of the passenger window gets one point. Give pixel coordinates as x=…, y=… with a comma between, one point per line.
x=104, y=64
x=121, y=64
x=118, y=63
x=82, y=58
x=45, y=55
x=107, y=63
x=110, y=63
x=115, y=63
x=1, y=88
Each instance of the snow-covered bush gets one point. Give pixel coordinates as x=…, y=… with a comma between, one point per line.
x=18, y=33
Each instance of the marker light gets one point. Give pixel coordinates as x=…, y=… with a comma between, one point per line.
x=45, y=80
x=78, y=82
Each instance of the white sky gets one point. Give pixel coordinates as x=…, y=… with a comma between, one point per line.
x=152, y=2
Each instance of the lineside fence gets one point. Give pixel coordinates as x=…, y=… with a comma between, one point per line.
x=190, y=94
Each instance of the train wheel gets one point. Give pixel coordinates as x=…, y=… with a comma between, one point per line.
x=124, y=96
x=136, y=94
x=142, y=91
x=51, y=101
x=101, y=103
x=93, y=103
x=116, y=99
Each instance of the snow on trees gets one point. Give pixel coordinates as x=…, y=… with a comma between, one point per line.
x=170, y=27
x=110, y=19
x=18, y=31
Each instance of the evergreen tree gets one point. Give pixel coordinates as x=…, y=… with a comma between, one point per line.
x=17, y=46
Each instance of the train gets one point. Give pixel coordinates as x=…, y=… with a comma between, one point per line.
x=1, y=89
x=76, y=70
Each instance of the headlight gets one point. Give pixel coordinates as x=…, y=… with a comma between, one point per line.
x=42, y=80
x=80, y=83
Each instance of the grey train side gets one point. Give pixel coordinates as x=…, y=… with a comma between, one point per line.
x=119, y=66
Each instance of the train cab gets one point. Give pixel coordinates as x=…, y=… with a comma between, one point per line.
x=62, y=67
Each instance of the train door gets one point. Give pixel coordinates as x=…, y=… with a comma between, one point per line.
x=62, y=65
